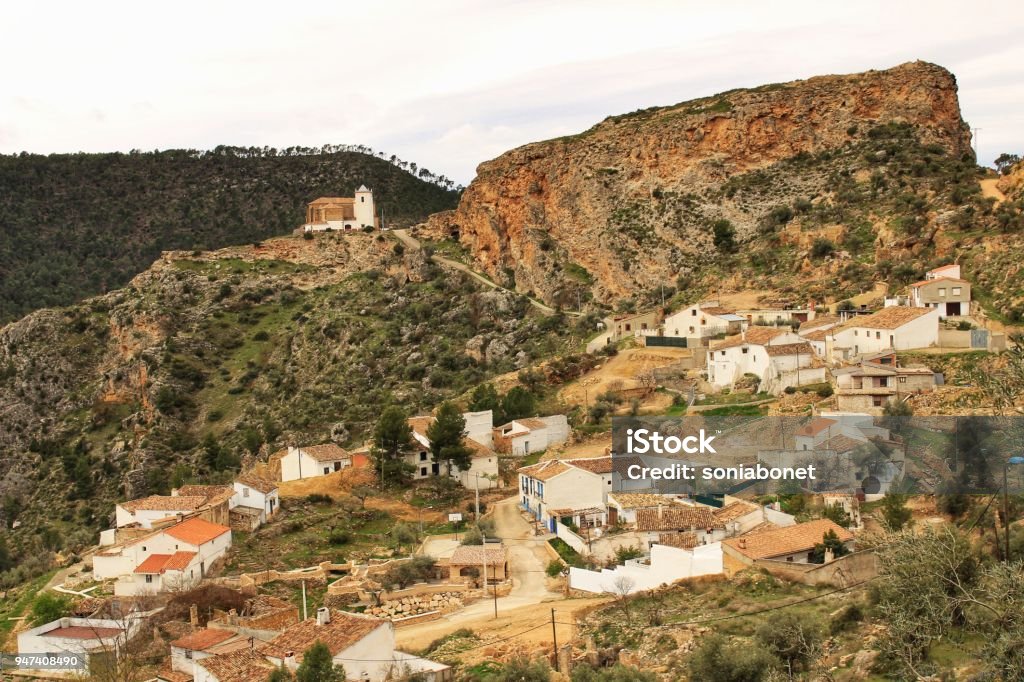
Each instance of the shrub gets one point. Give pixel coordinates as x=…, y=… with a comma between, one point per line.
x=716, y=660
x=319, y=498
x=792, y=637
x=845, y=618
x=822, y=248
x=825, y=391
x=339, y=537
x=307, y=235
x=554, y=568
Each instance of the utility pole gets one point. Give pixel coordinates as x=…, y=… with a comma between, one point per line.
x=477, y=519
x=304, y=614
x=554, y=639
x=1006, y=513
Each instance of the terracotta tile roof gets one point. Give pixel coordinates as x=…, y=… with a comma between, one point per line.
x=788, y=540
x=820, y=322
x=546, y=470
x=733, y=511
x=477, y=449
x=676, y=518
x=165, y=674
x=244, y=665
x=532, y=423
x=815, y=426
x=717, y=310
x=257, y=482
x=687, y=540
x=203, y=639
x=83, y=632
x=754, y=335
x=640, y=500
x=333, y=200
x=604, y=465
x=802, y=348
x=165, y=503
x=160, y=563
x=197, y=531
x=892, y=317
x=344, y=630
x=955, y=280
x=841, y=443
x=817, y=334
x=328, y=452
x=947, y=266
x=210, y=492
x=473, y=555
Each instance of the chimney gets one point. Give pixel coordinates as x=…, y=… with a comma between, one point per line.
x=193, y=615
x=289, y=660
x=743, y=543
x=830, y=555
x=323, y=615
x=232, y=616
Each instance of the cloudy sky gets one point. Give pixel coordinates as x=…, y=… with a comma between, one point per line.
x=450, y=84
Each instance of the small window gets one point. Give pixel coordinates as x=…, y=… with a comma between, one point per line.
x=245, y=492
x=745, y=350
x=903, y=380
x=876, y=401
x=957, y=291
x=423, y=471
x=723, y=353
x=693, y=312
x=143, y=548
x=149, y=578
x=855, y=332
x=878, y=335
x=942, y=291
x=327, y=470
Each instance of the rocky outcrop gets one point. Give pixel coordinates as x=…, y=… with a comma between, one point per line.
x=630, y=202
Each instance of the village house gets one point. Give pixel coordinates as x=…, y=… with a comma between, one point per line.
x=342, y=213
x=312, y=461
x=145, y=511
x=254, y=502
x=203, y=643
x=483, y=471
x=778, y=357
x=944, y=290
x=793, y=544
x=521, y=437
x=94, y=639
x=575, y=490
x=241, y=665
x=702, y=321
x=869, y=386
x=363, y=644
x=173, y=558
x=778, y=315
x=896, y=328
x=467, y=562
x=623, y=506
x=697, y=520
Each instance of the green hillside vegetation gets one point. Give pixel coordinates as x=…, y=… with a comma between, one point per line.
x=74, y=225
x=240, y=363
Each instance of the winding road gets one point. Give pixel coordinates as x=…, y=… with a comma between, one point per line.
x=414, y=244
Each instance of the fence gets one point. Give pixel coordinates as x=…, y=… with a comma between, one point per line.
x=665, y=341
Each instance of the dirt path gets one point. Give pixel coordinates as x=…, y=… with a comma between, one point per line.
x=413, y=243
x=990, y=189
x=527, y=560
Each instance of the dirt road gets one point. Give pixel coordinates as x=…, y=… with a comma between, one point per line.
x=527, y=560
x=413, y=243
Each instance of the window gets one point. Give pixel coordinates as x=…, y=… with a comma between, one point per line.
x=327, y=470
x=745, y=349
x=903, y=380
x=143, y=548
x=691, y=330
x=423, y=471
x=245, y=492
x=876, y=400
x=188, y=654
x=942, y=292
x=629, y=327
x=362, y=200
x=693, y=312
x=878, y=335
x=723, y=353
x=149, y=578
x=855, y=332
x=956, y=291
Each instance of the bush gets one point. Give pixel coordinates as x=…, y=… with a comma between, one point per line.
x=716, y=660
x=822, y=248
x=339, y=537
x=319, y=498
x=792, y=637
x=554, y=568
x=825, y=391
x=307, y=235
x=845, y=618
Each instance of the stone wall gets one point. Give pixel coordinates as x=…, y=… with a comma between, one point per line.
x=845, y=571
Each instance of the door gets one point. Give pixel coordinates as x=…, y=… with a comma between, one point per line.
x=953, y=308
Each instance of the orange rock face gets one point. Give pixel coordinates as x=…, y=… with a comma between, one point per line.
x=608, y=210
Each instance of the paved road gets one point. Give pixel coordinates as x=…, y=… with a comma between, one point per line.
x=413, y=243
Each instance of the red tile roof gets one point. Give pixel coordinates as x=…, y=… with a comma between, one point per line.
x=328, y=452
x=815, y=426
x=938, y=279
x=203, y=639
x=244, y=665
x=676, y=518
x=159, y=563
x=754, y=335
x=83, y=632
x=256, y=482
x=892, y=317
x=787, y=540
x=197, y=531
x=166, y=503
x=344, y=630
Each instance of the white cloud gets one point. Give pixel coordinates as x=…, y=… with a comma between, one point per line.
x=451, y=84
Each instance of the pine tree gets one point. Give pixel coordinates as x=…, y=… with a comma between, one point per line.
x=317, y=666
x=446, y=434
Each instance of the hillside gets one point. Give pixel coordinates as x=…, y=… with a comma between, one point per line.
x=74, y=225
x=206, y=360
x=812, y=189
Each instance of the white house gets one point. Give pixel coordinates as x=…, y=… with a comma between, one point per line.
x=483, y=470
x=576, y=488
x=146, y=510
x=341, y=213
x=94, y=639
x=256, y=493
x=204, y=643
x=364, y=645
x=777, y=357
x=312, y=461
x=777, y=315
x=942, y=289
x=896, y=327
x=520, y=437
x=703, y=320
x=170, y=559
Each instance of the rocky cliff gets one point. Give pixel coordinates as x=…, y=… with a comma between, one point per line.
x=631, y=203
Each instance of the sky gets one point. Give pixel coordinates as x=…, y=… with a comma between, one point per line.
x=449, y=84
